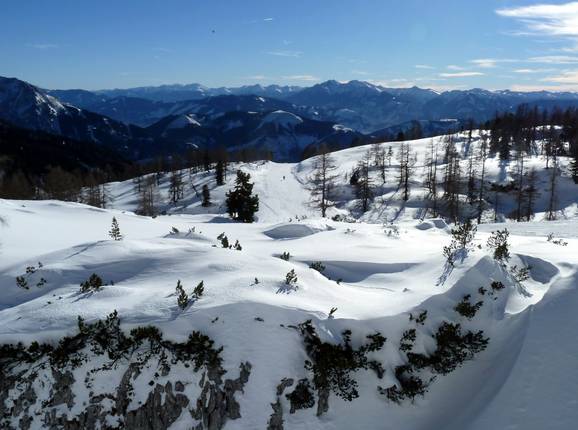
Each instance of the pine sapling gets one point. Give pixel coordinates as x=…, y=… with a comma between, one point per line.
x=114, y=232
x=291, y=278
x=199, y=291
x=182, y=297
x=498, y=242
x=332, y=313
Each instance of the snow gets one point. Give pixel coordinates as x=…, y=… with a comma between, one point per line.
x=184, y=121
x=281, y=118
x=525, y=379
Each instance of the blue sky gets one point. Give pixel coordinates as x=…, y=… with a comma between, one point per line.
x=441, y=44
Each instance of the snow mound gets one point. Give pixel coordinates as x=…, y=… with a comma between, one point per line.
x=294, y=231
x=437, y=223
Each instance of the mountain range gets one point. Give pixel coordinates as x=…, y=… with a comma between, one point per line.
x=359, y=105
x=286, y=122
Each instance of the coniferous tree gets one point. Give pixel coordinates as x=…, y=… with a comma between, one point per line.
x=321, y=183
x=114, y=232
x=220, y=173
x=363, y=186
x=241, y=203
x=206, y=196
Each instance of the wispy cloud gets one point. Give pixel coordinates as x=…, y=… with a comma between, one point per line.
x=257, y=78
x=531, y=71
x=567, y=78
x=546, y=19
x=454, y=67
x=268, y=19
x=42, y=45
x=285, y=53
x=554, y=59
x=537, y=87
x=424, y=66
x=360, y=73
x=303, y=78
x=461, y=74
x=489, y=63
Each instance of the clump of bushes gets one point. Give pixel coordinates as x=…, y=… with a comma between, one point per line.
x=462, y=241
x=225, y=243
x=22, y=280
x=498, y=243
x=93, y=283
x=105, y=337
x=333, y=364
x=301, y=397
x=183, y=298
x=318, y=266
x=467, y=309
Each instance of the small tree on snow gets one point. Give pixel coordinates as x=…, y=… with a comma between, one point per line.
x=462, y=241
x=114, y=232
x=241, y=203
x=498, y=242
x=182, y=297
x=291, y=278
x=199, y=290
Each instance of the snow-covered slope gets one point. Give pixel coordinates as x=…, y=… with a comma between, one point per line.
x=373, y=278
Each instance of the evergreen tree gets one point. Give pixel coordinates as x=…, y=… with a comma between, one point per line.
x=206, y=196
x=114, y=232
x=241, y=203
x=220, y=173
x=182, y=297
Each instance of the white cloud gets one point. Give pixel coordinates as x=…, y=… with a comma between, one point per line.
x=530, y=71
x=257, y=78
x=546, y=19
x=461, y=74
x=488, y=63
x=268, y=19
x=303, y=78
x=554, y=59
x=360, y=72
x=553, y=88
x=454, y=67
x=424, y=67
x=567, y=78
x=294, y=54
